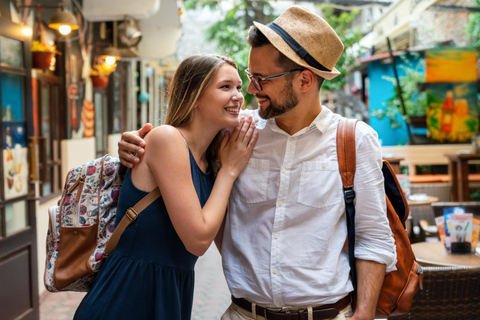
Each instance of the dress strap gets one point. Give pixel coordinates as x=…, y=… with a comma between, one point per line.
x=184, y=140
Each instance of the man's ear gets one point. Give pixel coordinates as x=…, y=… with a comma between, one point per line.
x=307, y=80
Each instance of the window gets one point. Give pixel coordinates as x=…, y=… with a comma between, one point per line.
x=47, y=100
x=100, y=102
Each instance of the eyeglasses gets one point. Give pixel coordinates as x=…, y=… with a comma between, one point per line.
x=256, y=81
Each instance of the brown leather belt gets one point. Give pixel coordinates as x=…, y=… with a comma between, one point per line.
x=327, y=311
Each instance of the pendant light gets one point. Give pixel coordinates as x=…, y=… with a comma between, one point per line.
x=63, y=21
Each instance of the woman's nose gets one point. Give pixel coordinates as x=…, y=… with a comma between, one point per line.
x=237, y=96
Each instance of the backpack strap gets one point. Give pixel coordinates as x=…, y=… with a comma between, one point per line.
x=130, y=216
x=346, y=155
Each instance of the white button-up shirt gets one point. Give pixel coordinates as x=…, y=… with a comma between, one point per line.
x=286, y=223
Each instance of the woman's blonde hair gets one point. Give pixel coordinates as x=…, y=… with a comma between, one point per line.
x=189, y=81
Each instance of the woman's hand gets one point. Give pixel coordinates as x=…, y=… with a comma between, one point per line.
x=236, y=147
x=132, y=143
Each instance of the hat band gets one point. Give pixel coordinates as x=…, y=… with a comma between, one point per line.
x=297, y=47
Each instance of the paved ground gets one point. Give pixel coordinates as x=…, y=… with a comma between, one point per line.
x=210, y=300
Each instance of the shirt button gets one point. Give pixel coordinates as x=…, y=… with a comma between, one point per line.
x=275, y=235
x=277, y=303
x=274, y=271
x=324, y=165
x=284, y=170
x=280, y=203
x=249, y=161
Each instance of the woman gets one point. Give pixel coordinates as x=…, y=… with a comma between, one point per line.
x=150, y=275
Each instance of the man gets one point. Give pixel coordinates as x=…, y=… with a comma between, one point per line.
x=282, y=246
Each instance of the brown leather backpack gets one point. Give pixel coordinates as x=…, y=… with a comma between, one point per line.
x=400, y=286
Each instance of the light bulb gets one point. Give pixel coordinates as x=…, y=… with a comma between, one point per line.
x=27, y=31
x=110, y=60
x=64, y=29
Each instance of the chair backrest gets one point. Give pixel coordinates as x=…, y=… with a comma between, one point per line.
x=448, y=293
x=470, y=207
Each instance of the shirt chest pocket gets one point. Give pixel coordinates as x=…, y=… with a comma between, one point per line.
x=320, y=184
x=251, y=184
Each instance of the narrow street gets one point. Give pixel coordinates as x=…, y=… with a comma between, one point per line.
x=210, y=301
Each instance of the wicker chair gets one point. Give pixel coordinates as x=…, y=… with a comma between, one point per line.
x=449, y=293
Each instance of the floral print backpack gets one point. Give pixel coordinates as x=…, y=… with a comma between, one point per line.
x=82, y=223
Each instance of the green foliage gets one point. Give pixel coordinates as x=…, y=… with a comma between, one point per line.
x=193, y=4
x=414, y=100
x=340, y=23
x=473, y=27
x=230, y=34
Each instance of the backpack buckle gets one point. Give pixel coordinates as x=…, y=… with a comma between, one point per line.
x=131, y=214
x=349, y=194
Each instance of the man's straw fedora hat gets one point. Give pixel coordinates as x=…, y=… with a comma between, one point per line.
x=306, y=39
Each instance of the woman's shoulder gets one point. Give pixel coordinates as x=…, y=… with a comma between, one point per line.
x=164, y=134
x=165, y=147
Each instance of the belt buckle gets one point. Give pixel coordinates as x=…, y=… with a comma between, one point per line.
x=282, y=309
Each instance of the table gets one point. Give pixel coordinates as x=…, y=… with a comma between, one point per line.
x=434, y=254
x=458, y=170
x=430, y=200
x=395, y=163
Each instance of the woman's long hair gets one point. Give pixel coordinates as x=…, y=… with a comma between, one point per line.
x=189, y=81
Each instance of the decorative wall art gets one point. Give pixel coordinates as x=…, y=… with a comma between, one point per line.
x=451, y=86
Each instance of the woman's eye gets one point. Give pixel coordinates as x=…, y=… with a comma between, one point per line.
x=239, y=88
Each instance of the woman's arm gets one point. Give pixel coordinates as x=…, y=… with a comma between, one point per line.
x=219, y=237
x=169, y=162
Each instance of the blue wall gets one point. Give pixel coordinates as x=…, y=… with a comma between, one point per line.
x=381, y=90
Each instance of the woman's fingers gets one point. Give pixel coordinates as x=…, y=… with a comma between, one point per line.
x=246, y=130
x=252, y=142
x=236, y=130
x=224, y=142
x=249, y=132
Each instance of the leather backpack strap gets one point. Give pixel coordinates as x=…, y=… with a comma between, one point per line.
x=346, y=155
x=130, y=216
x=346, y=150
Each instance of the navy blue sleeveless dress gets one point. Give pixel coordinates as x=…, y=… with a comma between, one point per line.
x=150, y=275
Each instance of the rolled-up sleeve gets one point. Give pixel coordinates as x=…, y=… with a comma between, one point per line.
x=374, y=239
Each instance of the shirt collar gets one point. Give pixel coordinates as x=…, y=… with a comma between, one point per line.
x=323, y=120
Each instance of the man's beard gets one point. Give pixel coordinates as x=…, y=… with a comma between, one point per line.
x=275, y=109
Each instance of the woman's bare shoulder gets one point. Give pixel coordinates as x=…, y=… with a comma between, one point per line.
x=164, y=134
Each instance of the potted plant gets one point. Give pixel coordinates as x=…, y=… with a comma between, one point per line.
x=99, y=74
x=43, y=55
x=415, y=99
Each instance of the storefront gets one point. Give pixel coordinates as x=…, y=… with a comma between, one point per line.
x=18, y=243
x=56, y=114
